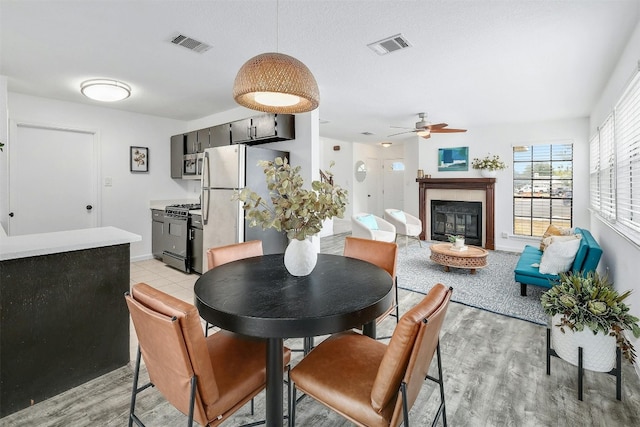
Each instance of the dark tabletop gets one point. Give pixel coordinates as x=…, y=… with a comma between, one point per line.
x=258, y=297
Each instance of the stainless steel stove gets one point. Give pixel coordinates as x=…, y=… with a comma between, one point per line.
x=176, y=222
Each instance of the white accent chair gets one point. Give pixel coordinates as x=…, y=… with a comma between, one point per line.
x=406, y=225
x=369, y=226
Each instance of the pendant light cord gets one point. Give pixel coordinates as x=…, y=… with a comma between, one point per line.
x=277, y=26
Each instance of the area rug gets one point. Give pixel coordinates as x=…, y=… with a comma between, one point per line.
x=492, y=288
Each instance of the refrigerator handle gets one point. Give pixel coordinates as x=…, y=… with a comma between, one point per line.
x=206, y=188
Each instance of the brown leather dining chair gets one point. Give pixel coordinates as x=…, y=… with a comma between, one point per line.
x=224, y=254
x=382, y=254
x=229, y=253
x=371, y=383
x=207, y=379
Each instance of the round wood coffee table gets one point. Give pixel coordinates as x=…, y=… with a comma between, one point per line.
x=473, y=258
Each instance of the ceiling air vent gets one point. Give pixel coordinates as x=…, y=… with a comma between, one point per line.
x=390, y=44
x=190, y=43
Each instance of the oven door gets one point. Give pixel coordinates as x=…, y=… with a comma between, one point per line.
x=175, y=253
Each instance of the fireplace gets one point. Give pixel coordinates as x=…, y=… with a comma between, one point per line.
x=481, y=190
x=456, y=217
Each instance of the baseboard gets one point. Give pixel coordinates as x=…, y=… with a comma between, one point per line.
x=141, y=258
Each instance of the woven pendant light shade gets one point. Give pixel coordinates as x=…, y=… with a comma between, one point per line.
x=270, y=74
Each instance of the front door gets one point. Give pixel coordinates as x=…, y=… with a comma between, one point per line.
x=53, y=180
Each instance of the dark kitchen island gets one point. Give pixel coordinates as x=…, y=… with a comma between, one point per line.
x=63, y=320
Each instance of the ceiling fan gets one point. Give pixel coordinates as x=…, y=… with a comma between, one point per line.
x=425, y=129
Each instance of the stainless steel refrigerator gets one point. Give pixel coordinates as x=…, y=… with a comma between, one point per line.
x=228, y=169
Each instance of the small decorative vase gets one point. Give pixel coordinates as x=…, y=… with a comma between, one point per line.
x=300, y=257
x=487, y=173
x=598, y=351
x=459, y=243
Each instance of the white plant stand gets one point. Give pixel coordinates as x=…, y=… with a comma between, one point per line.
x=617, y=371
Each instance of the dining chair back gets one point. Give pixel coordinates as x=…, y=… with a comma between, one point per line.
x=371, y=383
x=207, y=379
x=382, y=254
x=224, y=254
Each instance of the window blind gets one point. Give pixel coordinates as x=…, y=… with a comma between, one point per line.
x=627, y=124
x=607, y=169
x=594, y=171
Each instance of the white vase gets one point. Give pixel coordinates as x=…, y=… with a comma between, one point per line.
x=598, y=351
x=458, y=243
x=487, y=173
x=300, y=257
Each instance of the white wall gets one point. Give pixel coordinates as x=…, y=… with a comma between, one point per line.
x=499, y=139
x=620, y=256
x=126, y=204
x=4, y=163
x=343, y=166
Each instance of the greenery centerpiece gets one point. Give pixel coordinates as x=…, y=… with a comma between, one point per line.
x=492, y=163
x=588, y=303
x=291, y=208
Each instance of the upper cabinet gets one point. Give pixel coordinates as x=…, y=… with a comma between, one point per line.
x=263, y=128
x=191, y=142
x=177, y=153
x=203, y=140
x=220, y=135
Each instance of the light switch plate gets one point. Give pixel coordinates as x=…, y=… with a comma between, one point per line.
x=108, y=182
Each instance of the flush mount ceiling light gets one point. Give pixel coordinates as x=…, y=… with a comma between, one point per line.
x=276, y=83
x=105, y=90
x=386, y=144
x=423, y=132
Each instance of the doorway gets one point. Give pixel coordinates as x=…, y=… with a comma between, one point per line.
x=53, y=179
x=393, y=184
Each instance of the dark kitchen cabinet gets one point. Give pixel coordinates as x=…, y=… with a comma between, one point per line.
x=191, y=143
x=220, y=135
x=157, y=233
x=196, y=248
x=203, y=140
x=263, y=128
x=177, y=156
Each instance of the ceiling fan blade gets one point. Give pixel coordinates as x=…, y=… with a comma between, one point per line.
x=437, y=126
x=400, y=127
x=401, y=133
x=447, y=130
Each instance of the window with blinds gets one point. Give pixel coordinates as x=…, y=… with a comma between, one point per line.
x=542, y=187
x=614, y=165
x=607, y=173
x=627, y=121
x=594, y=171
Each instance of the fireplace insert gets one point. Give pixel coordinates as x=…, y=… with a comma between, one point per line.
x=458, y=218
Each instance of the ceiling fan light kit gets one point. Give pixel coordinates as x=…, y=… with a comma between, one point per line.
x=386, y=144
x=424, y=128
x=276, y=83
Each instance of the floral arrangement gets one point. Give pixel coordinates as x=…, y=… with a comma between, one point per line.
x=490, y=162
x=453, y=237
x=297, y=211
x=590, y=300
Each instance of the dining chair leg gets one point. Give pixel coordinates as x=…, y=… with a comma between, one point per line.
x=292, y=418
x=442, y=408
x=397, y=303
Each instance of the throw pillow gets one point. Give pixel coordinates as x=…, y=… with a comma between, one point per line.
x=551, y=239
x=559, y=256
x=369, y=221
x=553, y=230
x=400, y=216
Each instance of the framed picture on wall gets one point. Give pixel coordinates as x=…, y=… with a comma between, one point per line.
x=139, y=159
x=453, y=159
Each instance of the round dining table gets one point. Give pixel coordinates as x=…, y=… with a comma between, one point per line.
x=258, y=297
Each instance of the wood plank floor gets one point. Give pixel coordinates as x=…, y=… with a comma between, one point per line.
x=494, y=369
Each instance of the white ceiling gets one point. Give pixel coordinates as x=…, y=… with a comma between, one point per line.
x=471, y=63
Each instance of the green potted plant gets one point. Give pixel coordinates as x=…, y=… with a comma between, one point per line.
x=587, y=312
x=488, y=165
x=456, y=239
x=291, y=208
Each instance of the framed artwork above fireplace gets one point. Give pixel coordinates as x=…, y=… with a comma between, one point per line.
x=453, y=159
